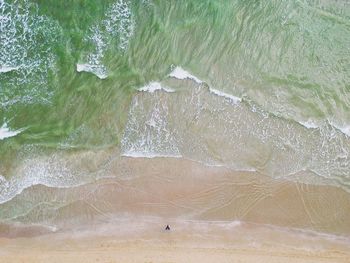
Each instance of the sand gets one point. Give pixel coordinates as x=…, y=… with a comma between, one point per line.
x=189, y=242
x=142, y=253
x=177, y=188
x=215, y=214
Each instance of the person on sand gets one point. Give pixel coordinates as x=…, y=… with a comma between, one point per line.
x=167, y=227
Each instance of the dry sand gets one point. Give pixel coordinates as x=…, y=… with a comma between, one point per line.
x=136, y=252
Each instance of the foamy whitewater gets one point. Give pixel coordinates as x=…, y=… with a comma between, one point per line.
x=4, y=69
x=154, y=86
x=5, y=132
x=118, y=90
x=99, y=71
x=180, y=73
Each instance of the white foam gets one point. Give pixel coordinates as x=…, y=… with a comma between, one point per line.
x=117, y=25
x=180, y=73
x=50, y=171
x=16, y=53
x=97, y=70
x=2, y=179
x=119, y=22
x=154, y=86
x=231, y=224
x=232, y=98
x=310, y=124
x=343, y=128
x=150, y=155
x=4, y=69
x=5, y=132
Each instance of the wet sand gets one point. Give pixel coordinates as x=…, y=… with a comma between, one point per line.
x=145, y=240
x=216, y=215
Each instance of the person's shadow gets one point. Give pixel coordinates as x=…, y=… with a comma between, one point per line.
x=167, y=228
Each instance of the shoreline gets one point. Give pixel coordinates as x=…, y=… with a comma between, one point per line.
x=215, y=215
x=147, y=241
x=178, y=188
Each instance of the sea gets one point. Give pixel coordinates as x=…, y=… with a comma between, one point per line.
x=249, y=86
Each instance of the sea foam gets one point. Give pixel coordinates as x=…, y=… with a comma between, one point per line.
x=310, y=124
x=150, y=155
x=5, y=132
x=154, y=86
x=342, y=128
x=180, y=73
x=26, y=45
x=232, y=98
x=118, y=27
x=5, y=69
x=97, y=70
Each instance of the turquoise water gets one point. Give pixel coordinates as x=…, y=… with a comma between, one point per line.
x=71, y=71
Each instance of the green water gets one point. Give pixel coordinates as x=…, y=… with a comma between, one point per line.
x=289, y=59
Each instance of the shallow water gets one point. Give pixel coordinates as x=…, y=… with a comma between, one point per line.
x=248, y=86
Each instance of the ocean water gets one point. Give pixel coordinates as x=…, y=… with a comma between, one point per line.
x=259, y=86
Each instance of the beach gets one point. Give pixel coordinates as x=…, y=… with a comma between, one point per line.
x=196, y=242
x=123, y=220
x=227, y=120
